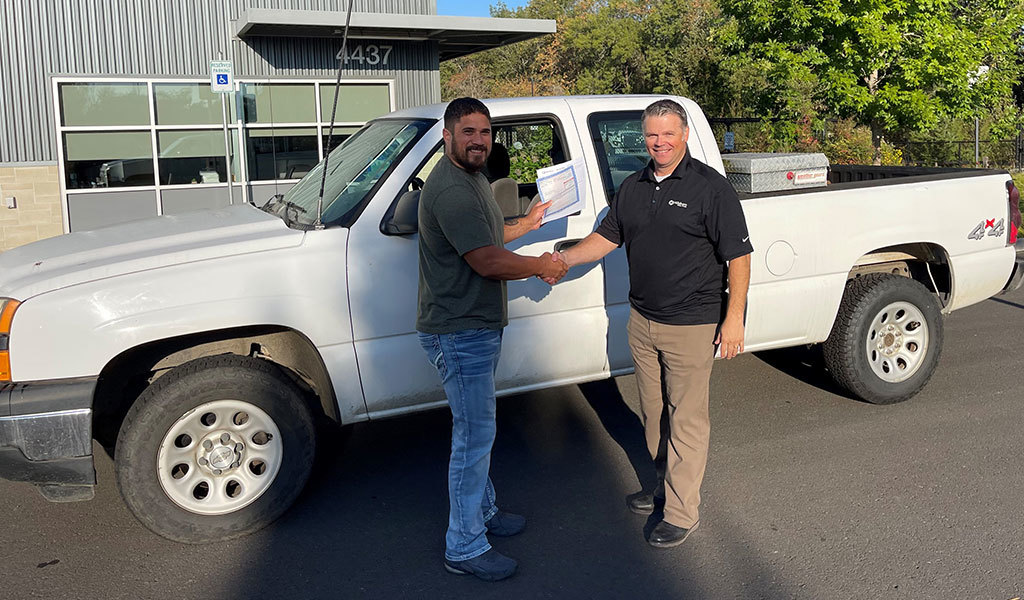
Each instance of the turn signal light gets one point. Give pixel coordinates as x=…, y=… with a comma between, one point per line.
x=7, y=308
x=7, y=315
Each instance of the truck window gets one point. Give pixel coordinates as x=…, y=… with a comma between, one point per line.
x=428, y=167
x=355, y=168
x=619, y=144
x=520, y=148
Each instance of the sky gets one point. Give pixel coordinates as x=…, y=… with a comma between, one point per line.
x=472, y=8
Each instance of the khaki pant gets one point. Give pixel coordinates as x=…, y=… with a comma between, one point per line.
x=684, y=354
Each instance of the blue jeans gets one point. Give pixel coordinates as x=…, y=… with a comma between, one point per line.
x=466, y=361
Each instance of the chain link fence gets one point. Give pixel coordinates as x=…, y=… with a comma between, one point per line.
x=1004, y=154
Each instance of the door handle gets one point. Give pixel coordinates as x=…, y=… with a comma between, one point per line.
x=566, y=244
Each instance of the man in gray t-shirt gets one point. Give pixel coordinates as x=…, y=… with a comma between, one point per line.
x=457, y=215
x=462, y=312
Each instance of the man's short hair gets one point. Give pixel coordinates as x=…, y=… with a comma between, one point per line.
x=461, y=107
x=665, y=107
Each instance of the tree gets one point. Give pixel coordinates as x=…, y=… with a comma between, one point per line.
x=603, y=47
x=895, y=65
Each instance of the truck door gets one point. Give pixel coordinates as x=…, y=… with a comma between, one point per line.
x=555, y=334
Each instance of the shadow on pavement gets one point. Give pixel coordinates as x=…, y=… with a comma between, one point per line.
x=1007, y=302
x=623, y=425
x=806, y=365
x=372, y=524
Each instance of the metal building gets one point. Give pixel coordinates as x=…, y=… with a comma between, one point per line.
x=109, y=114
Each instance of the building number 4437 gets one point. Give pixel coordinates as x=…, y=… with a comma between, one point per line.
x=370, y=54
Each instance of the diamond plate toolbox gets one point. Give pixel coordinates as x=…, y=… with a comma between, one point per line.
x=754, y=172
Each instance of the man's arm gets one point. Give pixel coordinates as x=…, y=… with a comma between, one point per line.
x=516, y=228
x=731, y=334
x=493, y=262
x=592, y=248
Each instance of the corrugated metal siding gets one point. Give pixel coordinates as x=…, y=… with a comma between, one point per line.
x=413, y=65
x=168, y=38
x=402, y=7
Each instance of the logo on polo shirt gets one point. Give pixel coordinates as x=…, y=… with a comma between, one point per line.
x=679, y=204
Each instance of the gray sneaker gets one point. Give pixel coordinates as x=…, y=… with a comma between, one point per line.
x=504, y=524
x=489, y=566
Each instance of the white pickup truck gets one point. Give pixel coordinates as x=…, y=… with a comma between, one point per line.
x=212, y=349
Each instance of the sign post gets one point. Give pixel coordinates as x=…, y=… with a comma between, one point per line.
x=730, y=141
x=222, y=81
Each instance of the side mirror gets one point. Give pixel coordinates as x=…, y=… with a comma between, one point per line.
x=401, y=217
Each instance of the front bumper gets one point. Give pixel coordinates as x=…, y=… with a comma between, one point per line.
x=1017, y=274
x=46, y=436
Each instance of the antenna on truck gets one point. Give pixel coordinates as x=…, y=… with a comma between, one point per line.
x=330, y=131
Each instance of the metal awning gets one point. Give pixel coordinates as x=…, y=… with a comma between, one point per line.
x=456, y=36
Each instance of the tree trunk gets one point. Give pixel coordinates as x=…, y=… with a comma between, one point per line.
x=876, y=126
x=876, y=142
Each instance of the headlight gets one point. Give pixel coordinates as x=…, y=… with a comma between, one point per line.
x=7, y=308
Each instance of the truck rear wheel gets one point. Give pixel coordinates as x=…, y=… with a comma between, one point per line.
x=216, y=449
x=887, y=338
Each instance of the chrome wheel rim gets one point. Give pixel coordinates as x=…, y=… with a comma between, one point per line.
x=219, y=457
x=897, y=342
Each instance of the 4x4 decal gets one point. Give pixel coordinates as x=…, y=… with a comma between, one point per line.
x=997, y=229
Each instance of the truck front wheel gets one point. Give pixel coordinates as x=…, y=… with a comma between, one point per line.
x=887, y=338
x=216, y=449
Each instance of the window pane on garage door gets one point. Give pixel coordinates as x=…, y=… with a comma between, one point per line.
x=280, y=153
x=279, y=103
x=104, y=104
x=357, y=103
x=108, y=159
x=195, y=156
x=187, y=104
x=89, y=211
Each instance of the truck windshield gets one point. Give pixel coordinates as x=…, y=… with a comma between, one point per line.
x=354, y=169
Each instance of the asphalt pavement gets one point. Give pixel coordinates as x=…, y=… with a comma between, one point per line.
x=808, y=494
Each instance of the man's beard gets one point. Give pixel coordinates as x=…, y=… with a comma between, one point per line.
x=472, y=163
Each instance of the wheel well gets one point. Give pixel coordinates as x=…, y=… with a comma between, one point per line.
x=128, y=374
x=924, y=262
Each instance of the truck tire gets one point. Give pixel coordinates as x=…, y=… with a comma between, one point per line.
x=887, y=338
x=216, y=449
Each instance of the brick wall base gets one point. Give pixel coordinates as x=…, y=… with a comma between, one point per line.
x=38, y=214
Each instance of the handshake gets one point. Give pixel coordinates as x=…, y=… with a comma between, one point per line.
x=552, y=267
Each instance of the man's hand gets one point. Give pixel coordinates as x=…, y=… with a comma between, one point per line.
x=553, y=269
x=555, y=257
x=516, y=228
x=532, y=221
x=730, y=337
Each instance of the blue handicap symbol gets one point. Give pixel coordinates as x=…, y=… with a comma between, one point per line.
x=222, y=79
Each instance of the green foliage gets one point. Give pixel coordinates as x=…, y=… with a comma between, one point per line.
x=896, y=73
x=603, y=47
x=1018, y=180
x=891, y=155
x=849, y=144
x=895, y=65
x=529, y=149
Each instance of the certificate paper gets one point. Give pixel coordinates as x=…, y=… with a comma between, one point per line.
x=563, y=185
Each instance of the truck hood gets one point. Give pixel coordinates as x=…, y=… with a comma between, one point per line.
x=85, y=256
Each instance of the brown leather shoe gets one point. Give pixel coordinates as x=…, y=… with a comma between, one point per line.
x=667, y=535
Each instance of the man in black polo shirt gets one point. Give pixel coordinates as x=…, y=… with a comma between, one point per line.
x=686, y=241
